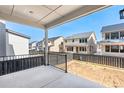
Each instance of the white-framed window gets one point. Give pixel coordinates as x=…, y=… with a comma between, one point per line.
x=107, y=36
x=115, y=35
x=122, y=35
x=107, y=48
x=72, y=40
x=122, y=49
x=83, y=40
x=115, y=48
x=82, y=48
x=69, y=48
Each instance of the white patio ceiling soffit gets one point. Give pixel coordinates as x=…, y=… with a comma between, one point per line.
x=45, y=16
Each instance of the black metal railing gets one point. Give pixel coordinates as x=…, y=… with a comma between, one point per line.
x=58, y=60
x=100, y=59
x=9, y=64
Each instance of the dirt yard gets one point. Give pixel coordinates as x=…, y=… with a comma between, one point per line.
x=107, y=76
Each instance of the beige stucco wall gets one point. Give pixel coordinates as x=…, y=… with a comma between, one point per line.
x=57, y=42
x=16, y=45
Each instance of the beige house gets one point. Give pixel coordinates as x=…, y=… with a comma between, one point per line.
x=81, y=43
x=55, y=44
x=113, y=40
x=33, y=46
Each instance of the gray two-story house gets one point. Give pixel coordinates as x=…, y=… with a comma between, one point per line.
x=113, y=40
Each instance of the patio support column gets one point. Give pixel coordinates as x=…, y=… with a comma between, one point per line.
x=119, y=35
x=46, y=46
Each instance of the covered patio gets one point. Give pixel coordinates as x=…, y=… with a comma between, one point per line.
x=45, y=17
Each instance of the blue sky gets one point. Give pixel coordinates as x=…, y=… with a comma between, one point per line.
x=92, y=22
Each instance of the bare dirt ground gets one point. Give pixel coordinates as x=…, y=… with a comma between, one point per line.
x=107, y=76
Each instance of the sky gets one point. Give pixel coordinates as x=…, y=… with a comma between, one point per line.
x=93, y=22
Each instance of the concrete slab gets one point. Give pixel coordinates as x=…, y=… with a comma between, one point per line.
x=32, y=78
x=72, y=81
x=44, y=76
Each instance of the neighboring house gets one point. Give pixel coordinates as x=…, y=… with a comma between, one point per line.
x=33, y=46
x=99, y=48
x=113, y=40
x=12, y=43
x=81, y=43
x=54, y=44
x=39, y=46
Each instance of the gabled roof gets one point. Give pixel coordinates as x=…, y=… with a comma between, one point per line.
x=53, y=38
x=80, y=35
x=17, y=33
x=112, y=28
x=33, y=42
x=3, y=26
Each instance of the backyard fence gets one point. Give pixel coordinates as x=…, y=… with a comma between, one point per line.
x=99, y=59
x=11, y=64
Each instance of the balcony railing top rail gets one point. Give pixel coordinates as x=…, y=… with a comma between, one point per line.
x=12, y=57
x=9, y=64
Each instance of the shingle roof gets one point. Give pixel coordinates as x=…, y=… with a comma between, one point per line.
x=80, y=35
x=54, y=38
x=33, y=42
x=111, y=28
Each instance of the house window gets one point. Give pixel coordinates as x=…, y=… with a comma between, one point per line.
x=121, y=35
x=122, y=49
x=82, y=48
x=107, y=35
x=69, y=48
x=61, y=43
x=114, y=35
x=79, y=40
x=107, y=48
x=73, y=40
x=114, y=48
x=65, y=41
x=83, y=40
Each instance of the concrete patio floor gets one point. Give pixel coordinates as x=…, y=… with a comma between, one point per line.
x=47, y=77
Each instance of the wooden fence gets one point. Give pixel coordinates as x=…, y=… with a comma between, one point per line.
x=99, y=59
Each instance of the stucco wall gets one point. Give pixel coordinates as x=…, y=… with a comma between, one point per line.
x=16, y=45
x=2, y=42
x=57, y=42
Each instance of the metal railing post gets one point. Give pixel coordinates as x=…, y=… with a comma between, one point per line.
x=48, y=59
x=66, y=65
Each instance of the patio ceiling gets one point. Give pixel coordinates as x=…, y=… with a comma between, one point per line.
x=45, y=16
